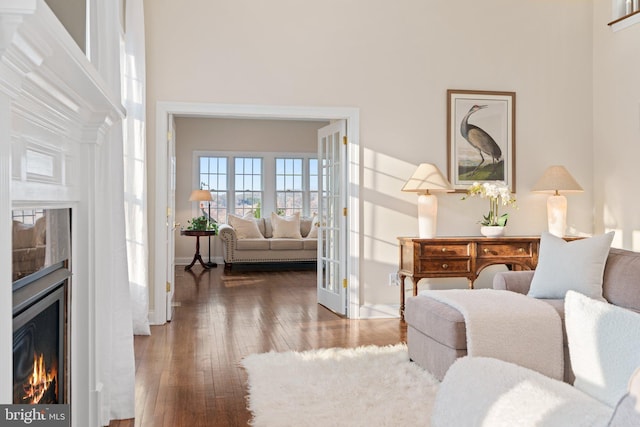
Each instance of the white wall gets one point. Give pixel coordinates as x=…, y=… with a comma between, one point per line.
x=231, y=135
x=394, y=61
x=616, y=127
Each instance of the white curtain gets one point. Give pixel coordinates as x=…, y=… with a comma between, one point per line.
x=135, y=172
x=114, y=308
x=115, y=353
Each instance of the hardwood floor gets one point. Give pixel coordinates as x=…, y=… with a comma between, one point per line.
x=188, y=372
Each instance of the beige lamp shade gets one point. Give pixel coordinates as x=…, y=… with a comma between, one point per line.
x=556, y=179
x=200, y=196
x=427, y=179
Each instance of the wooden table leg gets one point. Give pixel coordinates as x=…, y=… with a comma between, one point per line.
x=197, y=256
x=401, y=278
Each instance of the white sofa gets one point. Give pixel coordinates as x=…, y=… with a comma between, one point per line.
x=604, y=346
x=252, y=248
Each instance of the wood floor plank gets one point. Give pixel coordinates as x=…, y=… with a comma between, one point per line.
x=188, y=371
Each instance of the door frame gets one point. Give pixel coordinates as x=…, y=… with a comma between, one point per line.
x=167, y=110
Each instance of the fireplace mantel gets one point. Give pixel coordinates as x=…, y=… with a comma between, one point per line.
x=56, y=112
x=57, y=98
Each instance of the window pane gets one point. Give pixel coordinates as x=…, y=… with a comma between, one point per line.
x=289, y=179
x=248, y=173
x=313, y=186
x=248, y=185
x=213, y=178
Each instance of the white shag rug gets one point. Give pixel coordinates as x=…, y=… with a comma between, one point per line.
x=366, y=386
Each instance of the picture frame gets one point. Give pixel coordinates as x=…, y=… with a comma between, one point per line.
x=481, y=138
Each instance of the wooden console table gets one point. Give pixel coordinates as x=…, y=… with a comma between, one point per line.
x=461, y=257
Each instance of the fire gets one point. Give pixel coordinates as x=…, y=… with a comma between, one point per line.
x=40, y=381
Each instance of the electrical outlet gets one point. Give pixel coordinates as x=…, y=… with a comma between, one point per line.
x=393, y=279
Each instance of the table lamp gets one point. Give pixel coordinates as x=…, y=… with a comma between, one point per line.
x=204, y=196
x=557, y=179
x=425, y=180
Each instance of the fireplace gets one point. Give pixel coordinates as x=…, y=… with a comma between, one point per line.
x=41, y=368
x=39, y=348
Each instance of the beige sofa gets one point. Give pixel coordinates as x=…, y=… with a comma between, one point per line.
x=266, y=248
x=436, y=332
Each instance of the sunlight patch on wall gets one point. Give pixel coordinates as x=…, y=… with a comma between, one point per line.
x=618, y=240
x=635, y=240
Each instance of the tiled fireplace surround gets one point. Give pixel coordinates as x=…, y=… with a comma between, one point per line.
x=57, y=113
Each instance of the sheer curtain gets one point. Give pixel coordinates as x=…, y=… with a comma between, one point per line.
x=120, y=216
x=115, y=360
x=135, y=182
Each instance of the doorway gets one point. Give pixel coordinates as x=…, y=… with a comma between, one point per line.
x=166, y=111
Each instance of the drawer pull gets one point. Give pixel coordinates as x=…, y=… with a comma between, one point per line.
x=445, y=266
x=520, y=250
x=486, y=251
x=444, y=249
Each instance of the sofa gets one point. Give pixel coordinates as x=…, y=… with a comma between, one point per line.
x=436, y=332
x=276, y=239
x=604, y=342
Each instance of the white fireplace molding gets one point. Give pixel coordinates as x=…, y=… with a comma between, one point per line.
x=49, y=79
x=55, y=112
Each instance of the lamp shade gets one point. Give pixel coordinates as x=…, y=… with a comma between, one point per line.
x=200, y=196
x=556, y=179
x=427, y=179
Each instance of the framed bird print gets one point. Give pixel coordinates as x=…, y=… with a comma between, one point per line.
x=481, y=137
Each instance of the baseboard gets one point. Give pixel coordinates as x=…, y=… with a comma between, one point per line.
x=380, y=311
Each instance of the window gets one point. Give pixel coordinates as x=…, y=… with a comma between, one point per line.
x=248, y=185
x=213, y=177
x=289, y=186
x=313, y=186
x=260, y=183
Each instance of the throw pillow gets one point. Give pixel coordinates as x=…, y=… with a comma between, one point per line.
x=577, y=265
x=313, y=233
x=604, y=346
x=245, y=227
x=286, y=227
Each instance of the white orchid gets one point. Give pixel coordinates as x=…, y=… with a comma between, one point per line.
x=498, y=193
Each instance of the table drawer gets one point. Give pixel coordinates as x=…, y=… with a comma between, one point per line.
x=513, y=249
x=445, y=266
x=452, y=249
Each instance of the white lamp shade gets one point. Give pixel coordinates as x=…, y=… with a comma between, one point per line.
x=427, y=179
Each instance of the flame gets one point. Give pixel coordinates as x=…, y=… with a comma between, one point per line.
x=40, y=381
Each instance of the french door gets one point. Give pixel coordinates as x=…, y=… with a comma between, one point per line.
x=171, y=223
x=332, y=217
